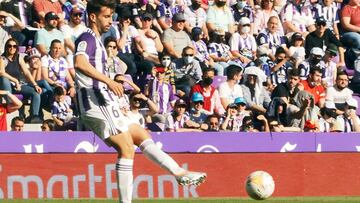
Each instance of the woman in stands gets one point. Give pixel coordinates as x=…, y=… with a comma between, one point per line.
x=16, y=78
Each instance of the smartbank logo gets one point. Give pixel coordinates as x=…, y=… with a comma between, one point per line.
x=36, y=184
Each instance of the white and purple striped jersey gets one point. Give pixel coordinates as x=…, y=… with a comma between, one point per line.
x=245, y=45
x=330, y=13
x=92, y=48
x=301, y=19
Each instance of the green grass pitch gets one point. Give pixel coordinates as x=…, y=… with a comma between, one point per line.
x=201, y=200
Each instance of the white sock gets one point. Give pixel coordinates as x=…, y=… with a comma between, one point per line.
x=152, y=152
x=124, y=174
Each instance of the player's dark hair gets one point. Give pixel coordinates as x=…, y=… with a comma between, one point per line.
x=94, y=6
x=58, y=91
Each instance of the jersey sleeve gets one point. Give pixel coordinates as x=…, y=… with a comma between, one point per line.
x=85, y=45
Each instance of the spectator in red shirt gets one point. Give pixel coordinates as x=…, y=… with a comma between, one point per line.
x=42, y=7
x=313, y=85
x=9, y=103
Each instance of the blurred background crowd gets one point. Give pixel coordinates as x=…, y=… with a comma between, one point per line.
x=190, y=65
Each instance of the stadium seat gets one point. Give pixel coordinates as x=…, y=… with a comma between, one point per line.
x=218, y=80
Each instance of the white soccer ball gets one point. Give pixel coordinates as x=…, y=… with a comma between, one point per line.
x=259, y=185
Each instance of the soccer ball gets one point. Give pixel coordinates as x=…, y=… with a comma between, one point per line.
x=259, y=185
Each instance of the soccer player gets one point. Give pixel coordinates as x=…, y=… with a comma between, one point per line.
x=99, y=109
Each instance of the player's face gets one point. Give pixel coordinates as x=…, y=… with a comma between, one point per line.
x=56, y=50
x=104, y=19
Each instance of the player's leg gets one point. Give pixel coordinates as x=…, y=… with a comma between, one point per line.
x=143, y=140
x=124, y=166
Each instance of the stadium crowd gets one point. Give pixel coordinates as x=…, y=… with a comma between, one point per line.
x=283, y=66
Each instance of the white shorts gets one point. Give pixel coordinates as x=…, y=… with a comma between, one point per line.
x=103, y=119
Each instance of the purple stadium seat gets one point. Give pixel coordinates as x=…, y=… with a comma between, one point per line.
x=349, y=71
x=218, y=80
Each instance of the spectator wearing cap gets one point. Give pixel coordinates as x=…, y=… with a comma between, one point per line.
x=350, y=21
x=297, y=49
x=330, y=66
x=220, y=52
x=313, y=86
x=321, y=38
x=46, y=35
x=161, y=92
x=196, y=17
x=297, y=17
x=197, y=114
x=242, y=9
x=328, y=116
x=243, y=44
x=212, y=102
x=271, y=37
x=71, y=32
x=42, y=7
x=219, y=17
x=349, y=121
x=68, y=7
x=232, y=121
x=165, y=13
x=339, y=93
x=230, y=89
x=187, y=71
x=241, y=104
x=179, y=121
x=330, y=11
x=175, y=39
x=151, y=40
x=315, y=60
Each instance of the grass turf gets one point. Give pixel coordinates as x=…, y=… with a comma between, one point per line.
x=201, y=200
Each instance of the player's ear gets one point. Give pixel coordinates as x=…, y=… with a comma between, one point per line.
x=92, y=17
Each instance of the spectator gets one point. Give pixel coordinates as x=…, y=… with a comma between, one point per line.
x=212, y=102
x=220, y=52
x=243, y=44
x=20, y=9
x=351, y=24
x=213, y=122
x=230, y=89
x=17, y=124
x=321, y=38
x=328, y=117
x=263, y=16
x=46, y=35
x=330, y=66
x=8, y=30
x=313, y=86
x=196, y=17
x=151, y=41
x=297, y=49
x=349, y=121
x=48, y=125
x=201, y=51
x=242, y=9
x=315, y=60
x=16, y=78
x=304, y=110
x=8, y=104
x=271, y=37
x=114, y=63
x=61, y=111
x=219, y=17
x=197, y=113
x=257, y=98
x=55, y=69
x=287, y=91
x=138, y=115
x=297, y=17
x=280, y=67
x=232, y=121
x=330, y=11
x=187, y=72
x=339, y=93
x=166, y=11
x=165, y=60
x=175, y=39
x=179, y=121
x=310, y=126
x=43, y=7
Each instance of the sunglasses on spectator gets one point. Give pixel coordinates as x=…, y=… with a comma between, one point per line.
x=77, y=14
x=147, y=19
x=321, y=24
x=199, y=102
x=181, y=106
x=188, y=54
x=181, y=21
x=166, y=59
x=137, y=100
x=214, y=123
x=12, y=46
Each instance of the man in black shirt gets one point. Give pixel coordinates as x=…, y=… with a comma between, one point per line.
x=322, y=37
x=287, y=91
